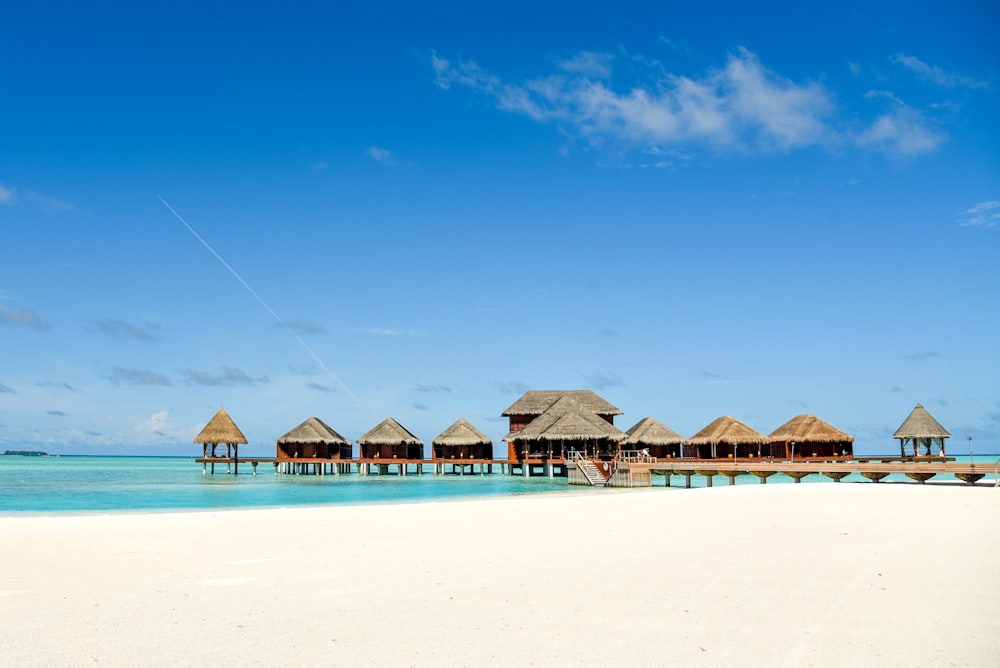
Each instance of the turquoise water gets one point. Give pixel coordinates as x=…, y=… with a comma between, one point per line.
x=88, y=484
x=116, y=484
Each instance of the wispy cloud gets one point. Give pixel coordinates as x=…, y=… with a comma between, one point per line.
x=49, y=204
x=56, y=413
x=901, y=132
x=386, y=331
x=381, y=155
x=935, y=74
x=6, y=390
x=919, y=357
x=710, y=377
x=602, y=381
x=229, y=376
x=304, y=327
x=319, y=387
x=896, y=388
x=742, y=106
x=984, y=214
x=58, y=385
x=511, y=386
x=123, y=376
x=119, y=329
x=421, y=407
x=8, y=196
x=23, y=318
x=424, y=387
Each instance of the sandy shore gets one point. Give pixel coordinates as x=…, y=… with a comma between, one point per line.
x=789, y=575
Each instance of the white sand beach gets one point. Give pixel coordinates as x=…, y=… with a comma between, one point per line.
x=776, y=575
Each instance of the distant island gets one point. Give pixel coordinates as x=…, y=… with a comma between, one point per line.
x=27, y=453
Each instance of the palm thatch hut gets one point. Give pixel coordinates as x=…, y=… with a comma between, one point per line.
x=390, y=440
x=567, y=424
x=221, y=429
x=808, y=436
x=535, y=402
x=652, y=435
x=920, y=429
x=725, y=437
x=313, y=439
x=462, y=441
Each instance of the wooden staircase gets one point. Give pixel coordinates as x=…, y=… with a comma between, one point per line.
x=590, y=471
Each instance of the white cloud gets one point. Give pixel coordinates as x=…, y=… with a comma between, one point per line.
x=984, y=214
x=935, y=74
x=49, y=204
x=159, y=427
x=381, y=155
x=741, y=106
x=901, y=133
x=8, y=196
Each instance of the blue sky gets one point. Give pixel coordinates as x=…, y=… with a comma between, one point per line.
x=757, y=210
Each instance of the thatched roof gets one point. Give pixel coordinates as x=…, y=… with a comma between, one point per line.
x=649, y=431
x=920, y=424
x=389, y=432
x=462, y=432
x=313, y=431
x=536, y=402
x=809, y=429
x=220, y=429
x=567, y=420
x=727, y=430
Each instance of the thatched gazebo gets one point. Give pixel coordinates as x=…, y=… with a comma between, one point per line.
x=725, y=437
x=921, y=430
x=566, y=425
x=221, y=429
x=652, y=435
x=462, y=441
x=313, y=439
x=390, y=440
x=808, y=436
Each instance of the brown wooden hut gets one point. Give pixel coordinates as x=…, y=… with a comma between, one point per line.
x=920, y=429
x=462, y=441
x=390, y=440
x=652, y=435
x=567, y=424
x=312, y=440
x=725, y=437
x=221, y=429
x=808, y=436
x=534, y=403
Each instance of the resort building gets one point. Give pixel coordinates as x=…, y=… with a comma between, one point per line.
x=461, y=441
x=808, y=436
x=390, y=440
x=546, y=426
x=313, y=443
x=221, y=430
x=725, y=437
x=655, y=439
x=921, y=430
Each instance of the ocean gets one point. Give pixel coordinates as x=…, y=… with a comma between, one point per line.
x=88, y=484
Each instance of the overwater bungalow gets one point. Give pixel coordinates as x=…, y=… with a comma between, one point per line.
x=725, y=437
x=462, y=441
x=313, y=442
x=221, y=430
x=653, y=436
x=390, y=440
x=920, y=429
x=569, y=423
x=808, y=436
x=535, y=402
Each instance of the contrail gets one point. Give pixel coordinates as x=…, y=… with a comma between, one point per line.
x=263, y=303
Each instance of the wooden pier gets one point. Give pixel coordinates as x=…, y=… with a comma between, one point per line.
x=639, y=473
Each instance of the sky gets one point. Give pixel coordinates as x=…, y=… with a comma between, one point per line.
x=422, y=210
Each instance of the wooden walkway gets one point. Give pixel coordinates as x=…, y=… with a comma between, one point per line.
x=798, y=469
